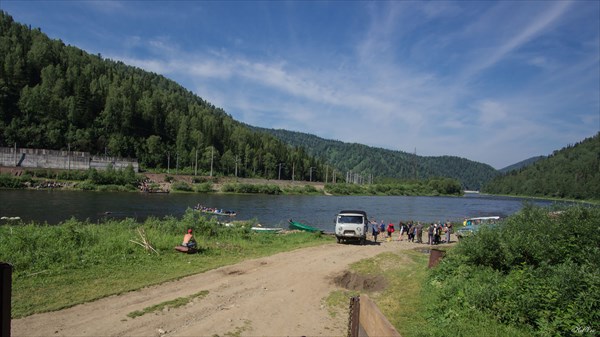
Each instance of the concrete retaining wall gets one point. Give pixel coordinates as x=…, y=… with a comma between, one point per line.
x=65, y=160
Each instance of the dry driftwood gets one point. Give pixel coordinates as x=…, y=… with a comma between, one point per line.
x=144, y=241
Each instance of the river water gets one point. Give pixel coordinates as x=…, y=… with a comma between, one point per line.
x=53, y=207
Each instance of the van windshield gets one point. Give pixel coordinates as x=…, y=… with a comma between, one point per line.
x=353, y=219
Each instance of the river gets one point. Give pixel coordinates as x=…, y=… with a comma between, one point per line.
x=55, y=206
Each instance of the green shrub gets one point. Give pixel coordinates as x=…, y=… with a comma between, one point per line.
x=535, y=272
x=8, y=181
x=87, y=185
x=251, y=188
x=204, y=187
x=181, y=186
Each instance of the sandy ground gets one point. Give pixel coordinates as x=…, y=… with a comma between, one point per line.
x=279, y=295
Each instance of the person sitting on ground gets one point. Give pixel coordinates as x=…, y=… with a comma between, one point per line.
x=188, y=240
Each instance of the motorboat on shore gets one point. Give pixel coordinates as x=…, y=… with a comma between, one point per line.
x=269, y=230
x=472, y=225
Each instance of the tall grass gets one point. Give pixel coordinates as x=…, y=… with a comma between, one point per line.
x=74, y=262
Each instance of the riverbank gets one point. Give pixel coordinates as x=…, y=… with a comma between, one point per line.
x=128, y=180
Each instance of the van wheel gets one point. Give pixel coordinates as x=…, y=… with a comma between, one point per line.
x=339, y=240
x=362, y=241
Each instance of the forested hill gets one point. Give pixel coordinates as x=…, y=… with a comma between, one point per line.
x=572, y=172
x=55, y=96
x=387, y=163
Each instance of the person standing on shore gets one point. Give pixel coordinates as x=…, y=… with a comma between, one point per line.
x=420, y=233
x=374, y=230
x=402, y=229
x=430, y=234
x=390, y=231
x=448, y=231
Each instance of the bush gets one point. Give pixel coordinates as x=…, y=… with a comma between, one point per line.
x=534, y=272
x=204, y=187
x=251, y=188
x=181, y=186
x=8, y=181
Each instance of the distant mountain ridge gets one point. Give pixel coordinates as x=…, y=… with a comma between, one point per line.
x=383, y=163
x=521, y=164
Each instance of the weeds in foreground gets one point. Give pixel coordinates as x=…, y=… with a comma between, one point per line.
x=107, y=259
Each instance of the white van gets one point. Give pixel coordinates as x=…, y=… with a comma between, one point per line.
x=351, y=225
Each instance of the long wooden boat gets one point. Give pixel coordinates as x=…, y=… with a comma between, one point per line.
x=214, y=211
x=302, y=227
x=222, y=213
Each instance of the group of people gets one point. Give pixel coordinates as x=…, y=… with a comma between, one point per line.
x=218, y=211
x=436, y=232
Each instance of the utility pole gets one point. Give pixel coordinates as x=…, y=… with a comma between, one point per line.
x=196, y=166
x=310, y=173
x=236, y=164
x=415, y=165
x=69, y=159
x=279, y=177
x=212, y=153
x=168, y=162
x=293, y=170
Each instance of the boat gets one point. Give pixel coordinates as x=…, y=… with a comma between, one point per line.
x=472, y=225
x=214, y=211
x=303, y=227
x=269, y=230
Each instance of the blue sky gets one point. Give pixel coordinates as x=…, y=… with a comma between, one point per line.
x=494, y=82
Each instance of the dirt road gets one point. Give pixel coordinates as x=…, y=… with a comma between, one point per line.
x=279, y=295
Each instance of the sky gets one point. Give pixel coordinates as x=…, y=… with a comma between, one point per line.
x=493, y=82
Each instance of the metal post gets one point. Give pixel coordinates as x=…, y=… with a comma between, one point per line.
x=354, y=324
x=435, y=256
x=5, y=298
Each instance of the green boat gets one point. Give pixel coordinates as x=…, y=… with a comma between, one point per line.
x=302, y=227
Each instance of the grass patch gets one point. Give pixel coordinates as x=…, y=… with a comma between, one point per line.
x=240, y=329
x=176, y=303
x=338, y=301
x=102, y=261
x=401, y=301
